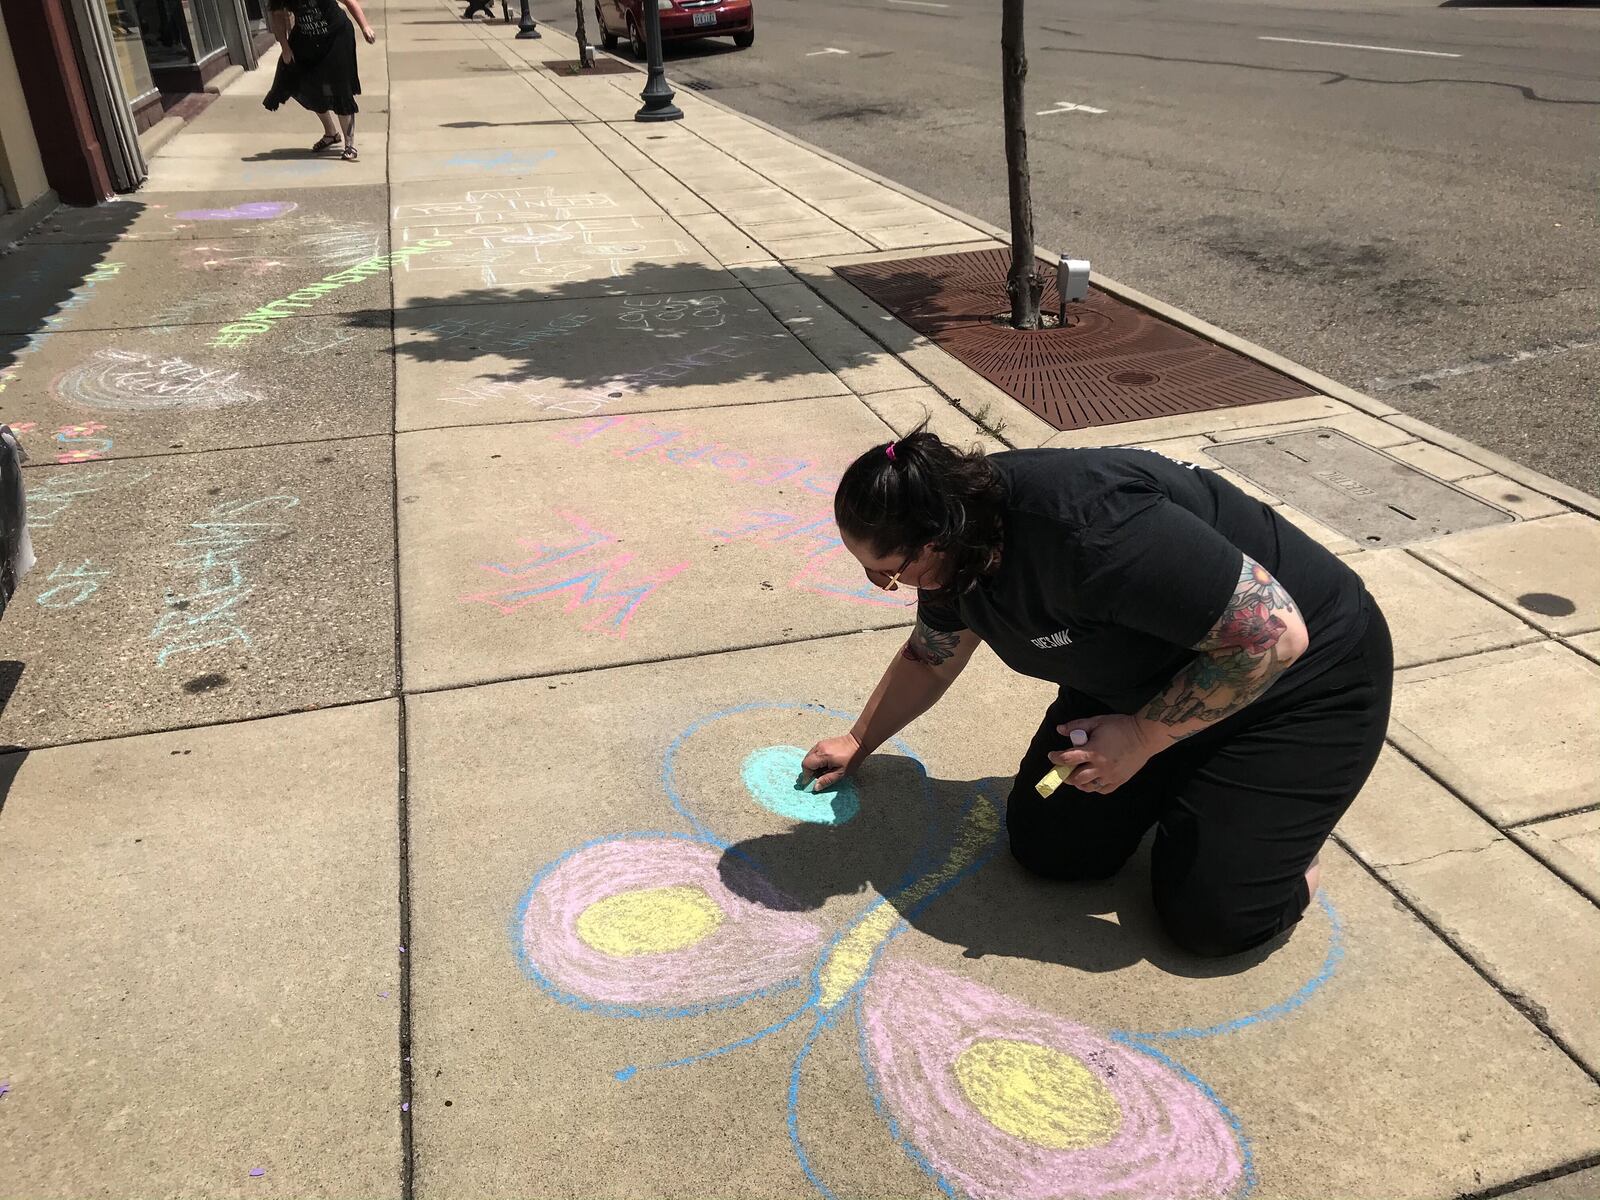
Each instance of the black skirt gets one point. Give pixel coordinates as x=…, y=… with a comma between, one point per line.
x=322, y=76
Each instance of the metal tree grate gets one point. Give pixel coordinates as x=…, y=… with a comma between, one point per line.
x=602, y=66
x=1110, y=363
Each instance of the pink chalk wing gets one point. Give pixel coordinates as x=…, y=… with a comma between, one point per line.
x=1010, y=1103
x=649, y=921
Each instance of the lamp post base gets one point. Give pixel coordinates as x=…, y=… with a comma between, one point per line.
x=664, y=110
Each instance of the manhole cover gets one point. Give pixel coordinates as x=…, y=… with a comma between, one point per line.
x=1112, y=362
x=1363, y=493
x=602, y=66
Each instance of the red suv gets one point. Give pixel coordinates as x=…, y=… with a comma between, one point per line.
x=680, y=19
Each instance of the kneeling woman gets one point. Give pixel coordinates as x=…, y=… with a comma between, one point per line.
x=1223, y=677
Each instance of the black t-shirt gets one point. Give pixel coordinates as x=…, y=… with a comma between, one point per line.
x=1117, y=562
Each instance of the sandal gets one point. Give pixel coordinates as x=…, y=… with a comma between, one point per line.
x=349, y=154
x=326, y=142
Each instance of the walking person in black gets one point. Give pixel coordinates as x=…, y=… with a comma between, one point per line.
x=318, y=65
x=1223, y=678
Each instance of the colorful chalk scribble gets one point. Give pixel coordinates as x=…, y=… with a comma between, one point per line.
x=991, y=1098
x=609, y=591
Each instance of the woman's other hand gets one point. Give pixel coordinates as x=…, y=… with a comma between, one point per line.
x=1117, y=747
x=831, y=760
x=366, y=32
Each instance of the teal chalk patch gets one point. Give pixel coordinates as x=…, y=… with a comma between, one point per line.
x=775, y=780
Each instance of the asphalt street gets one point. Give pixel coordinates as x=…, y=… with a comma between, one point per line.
x=1410, y=209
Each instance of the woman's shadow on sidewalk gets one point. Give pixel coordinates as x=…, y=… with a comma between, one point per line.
x=1000, y=909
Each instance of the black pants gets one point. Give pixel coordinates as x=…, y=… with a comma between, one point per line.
x=1240, y=810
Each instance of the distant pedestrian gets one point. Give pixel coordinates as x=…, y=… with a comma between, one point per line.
x=318, y=66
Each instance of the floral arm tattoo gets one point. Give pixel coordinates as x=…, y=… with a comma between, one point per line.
x=930, y=647
x=1238, y=659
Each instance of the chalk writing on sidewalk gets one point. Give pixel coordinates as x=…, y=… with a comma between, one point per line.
x=130, y=381
x=169, y=319
x=551, y=396
x=251, y=210
x=638, y=438
x=580, y=570
x=214, y=557
x=260, y=321
x=82, y=443
x=308, y=342
x=592, y=247
x=827, y=568
x=50, y=500
x=507, y=207
x=219, y=258
x=673, y=316
x=342, y=244
x=502, y=336
x=76, y=584
x=78, y=297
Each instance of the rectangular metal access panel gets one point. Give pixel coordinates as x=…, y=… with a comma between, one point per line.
x=1363, y=493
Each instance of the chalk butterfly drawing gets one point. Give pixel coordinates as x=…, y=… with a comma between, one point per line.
x=991, y=1098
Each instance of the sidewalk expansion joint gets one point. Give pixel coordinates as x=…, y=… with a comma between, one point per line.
x=42, y=465
x=440, y=688
x=1548, y=1175
x=1534, y=1013
x=1559, y=872
x=1529, y=822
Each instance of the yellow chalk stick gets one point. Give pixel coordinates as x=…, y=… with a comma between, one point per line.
x=1046, y=787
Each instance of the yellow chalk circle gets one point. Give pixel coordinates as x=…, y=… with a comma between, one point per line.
x=649, y=921
x=1038, y=1094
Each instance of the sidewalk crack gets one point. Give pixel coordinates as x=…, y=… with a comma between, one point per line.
x=1499, y=841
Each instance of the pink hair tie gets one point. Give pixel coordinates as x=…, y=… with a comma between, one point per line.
x=889, y=450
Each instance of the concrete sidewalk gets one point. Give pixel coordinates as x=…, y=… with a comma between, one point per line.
x=436, y=578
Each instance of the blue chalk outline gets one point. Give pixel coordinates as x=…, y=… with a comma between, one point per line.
x=1330, y=965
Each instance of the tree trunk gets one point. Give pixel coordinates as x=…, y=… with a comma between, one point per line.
x=1023, y=285
x=585, y=55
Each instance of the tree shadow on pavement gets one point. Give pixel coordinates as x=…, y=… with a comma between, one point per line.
x=646, y=335
x=1000, y=910
x=41, y=282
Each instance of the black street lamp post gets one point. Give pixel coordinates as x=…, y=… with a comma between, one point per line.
x=526, y=28
x=657, y=94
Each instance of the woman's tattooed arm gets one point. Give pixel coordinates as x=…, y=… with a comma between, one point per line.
x=1258, y=636
x=930, y=647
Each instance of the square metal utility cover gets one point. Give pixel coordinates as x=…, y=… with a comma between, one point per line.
x=1361, y=492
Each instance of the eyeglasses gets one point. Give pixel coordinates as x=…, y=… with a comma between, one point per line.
x=890, y=583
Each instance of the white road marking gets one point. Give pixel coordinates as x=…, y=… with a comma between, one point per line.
x=829, y=50
x=1488, y=363
x=1065, y=106
x=1357, y=46
x=920, y=3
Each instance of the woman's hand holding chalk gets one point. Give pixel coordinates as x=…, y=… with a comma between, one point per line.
x=1047, y=786
x=830, y=760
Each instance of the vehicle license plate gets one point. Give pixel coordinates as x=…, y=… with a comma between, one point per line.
x=705, y=18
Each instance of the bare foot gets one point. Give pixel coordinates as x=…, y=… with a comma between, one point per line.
x=1313, y=875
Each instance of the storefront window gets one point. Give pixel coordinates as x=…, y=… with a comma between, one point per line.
x=180, y=32
x=128, y=43
x=208, y=28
